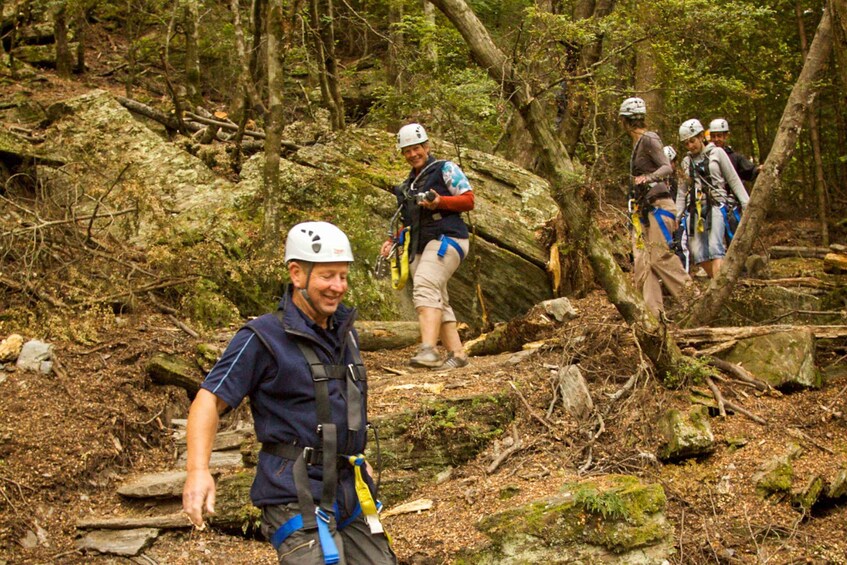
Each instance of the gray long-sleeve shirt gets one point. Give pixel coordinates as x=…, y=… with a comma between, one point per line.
x=723, y=178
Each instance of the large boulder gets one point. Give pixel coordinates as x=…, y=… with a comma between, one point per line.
x=168, y=196
x=786, y=360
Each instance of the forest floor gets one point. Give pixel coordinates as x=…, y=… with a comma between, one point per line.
x=68, y=439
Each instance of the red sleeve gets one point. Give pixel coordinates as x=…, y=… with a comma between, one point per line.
x=461, y=203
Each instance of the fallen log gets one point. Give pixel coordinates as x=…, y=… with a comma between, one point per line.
x=696, y=336
x=784, y=251
x=177, y=520
x=808, y=282
x=376, y=335
x=170, y=122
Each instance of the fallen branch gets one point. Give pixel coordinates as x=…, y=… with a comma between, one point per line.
x=738, y=372
x=811, y=282
x=27, y=288
x=741, y=410
x=140, y=290
x=53, y=223
x=517, y=445
x=716, y=393
x=532, y=413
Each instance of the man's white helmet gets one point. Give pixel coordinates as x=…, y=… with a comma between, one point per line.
x=633, y=107
x=670, y=152
x=411, y=134
x=689, y=129
x=317, y=242
x=719, y=125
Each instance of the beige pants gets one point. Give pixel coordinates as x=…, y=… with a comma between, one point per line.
x=655, y=263
x=430, y=275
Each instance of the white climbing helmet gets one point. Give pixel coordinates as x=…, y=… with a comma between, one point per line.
x=411, y=134
x=689, y=129
x=718, y=125
x=670, y=152
x=633, y=107
x=317, y=242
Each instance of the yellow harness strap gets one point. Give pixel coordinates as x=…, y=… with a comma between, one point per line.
x=366, y=501
x=400, y=262
x=637, y=229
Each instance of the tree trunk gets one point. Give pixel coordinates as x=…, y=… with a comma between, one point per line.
x=257, y=54
x=784, y=145
x=565, y=181
x=839, y=45
x=190, y=17
x=430, y=51
x=64, y=61
x=272, y=192
x=579, y=103
x=79, y=24
x=392, y=64
x=252, y=99
x=646, y=82
x=814, y=133
x=322, y=16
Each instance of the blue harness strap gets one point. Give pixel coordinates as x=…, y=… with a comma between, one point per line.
x=736, y=214
x=658, y=213
x=328, y=547
x=281, y=534
x=445, y=241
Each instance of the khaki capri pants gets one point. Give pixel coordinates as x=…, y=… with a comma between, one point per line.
x=431, y=273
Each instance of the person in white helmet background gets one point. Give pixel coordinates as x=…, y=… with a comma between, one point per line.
x=652, y=212
x=432, y=199
x=719, y=135
x=303, y=373
x=706, y=197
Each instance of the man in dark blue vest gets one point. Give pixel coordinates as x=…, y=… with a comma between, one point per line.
x=302, y=370
x=432, y=199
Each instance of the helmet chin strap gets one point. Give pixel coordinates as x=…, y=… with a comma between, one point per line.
x=304, y=292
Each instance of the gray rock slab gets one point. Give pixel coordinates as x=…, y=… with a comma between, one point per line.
x=219, y=459
x=32, y=354
x=156, y=485
x=118, y=542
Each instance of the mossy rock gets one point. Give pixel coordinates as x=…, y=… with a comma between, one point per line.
x=776, y=475
x=786, y=360
x=233, y=508
x=443, y=432
x=685, y=436
x=805, y=497
x=166, y=369
x=617, y=513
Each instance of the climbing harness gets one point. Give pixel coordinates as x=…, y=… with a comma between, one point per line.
x=316, y=518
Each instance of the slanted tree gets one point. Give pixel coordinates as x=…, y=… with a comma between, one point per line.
x=793, y=117
x=566, y=180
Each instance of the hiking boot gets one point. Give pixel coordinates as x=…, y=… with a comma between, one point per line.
x=427, y=357
x=453, y=362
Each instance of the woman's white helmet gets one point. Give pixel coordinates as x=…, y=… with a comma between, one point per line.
x=411, y=134
x=670, y=152
x=633, y=107
x=689, y=129
x=719, y=125
x=317, y=242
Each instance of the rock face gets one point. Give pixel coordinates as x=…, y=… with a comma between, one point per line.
x=614, y=519
x=348, y=180
x=786, y=360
